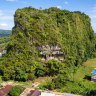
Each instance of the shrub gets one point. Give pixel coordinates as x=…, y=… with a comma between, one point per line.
x=53, y=67
x=21, y=75
x=47, y=85
x=15, y=91
x=78, y=87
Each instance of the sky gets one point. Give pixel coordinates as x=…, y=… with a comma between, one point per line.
x=8, y=8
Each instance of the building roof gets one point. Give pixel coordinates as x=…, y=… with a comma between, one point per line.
x=34, y=93
x=47, y=94
x=94, y=71
x=5, y=90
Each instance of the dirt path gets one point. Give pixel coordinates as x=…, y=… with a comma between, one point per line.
x=26, y=91
x=9, y=83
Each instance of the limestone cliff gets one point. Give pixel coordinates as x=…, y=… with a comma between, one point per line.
x=48, y=34
x=35, y=28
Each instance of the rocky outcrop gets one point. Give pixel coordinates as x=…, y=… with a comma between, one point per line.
x=51, y=52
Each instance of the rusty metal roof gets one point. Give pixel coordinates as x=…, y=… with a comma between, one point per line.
x=34, y=93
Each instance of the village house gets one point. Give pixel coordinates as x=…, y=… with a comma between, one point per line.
x=34, y=93
x=5, y=90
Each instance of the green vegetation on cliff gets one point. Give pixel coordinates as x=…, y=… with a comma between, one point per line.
x=34, y=28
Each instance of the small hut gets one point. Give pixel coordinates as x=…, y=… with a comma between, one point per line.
x=93, y=75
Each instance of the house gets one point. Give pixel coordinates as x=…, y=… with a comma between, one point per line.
x=93, y=75
x=47, y=94
x=57, y=94
x=5, y=90
x=34, y=93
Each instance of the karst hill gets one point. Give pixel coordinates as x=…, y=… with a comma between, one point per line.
x=41, y=35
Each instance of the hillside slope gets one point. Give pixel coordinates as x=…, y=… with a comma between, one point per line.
x=5, y=32
x=34, y=29
x=4, y=36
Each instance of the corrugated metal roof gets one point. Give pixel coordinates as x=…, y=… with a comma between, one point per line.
x=94, y=71
x=5, y=90
x=34, y=93
x=47, y=94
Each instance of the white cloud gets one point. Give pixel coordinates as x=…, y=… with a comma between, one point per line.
x=92, y=12
x=11, y=0
x=6, y=19
x=2, y=17
x=3, y=25
x=59, y=7
x=66, y=2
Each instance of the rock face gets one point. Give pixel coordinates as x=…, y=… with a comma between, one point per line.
x=51, y=52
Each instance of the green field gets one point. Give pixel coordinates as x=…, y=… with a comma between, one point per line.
x=91, y=63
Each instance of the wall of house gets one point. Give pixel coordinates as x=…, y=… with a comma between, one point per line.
x=93, y=77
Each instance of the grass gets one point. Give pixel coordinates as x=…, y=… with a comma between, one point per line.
x=43, y=79
x=84, y=71
x=91, y=63
x=27, y=84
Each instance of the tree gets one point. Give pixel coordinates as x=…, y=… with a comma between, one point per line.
x=53, y=67
x=21, y=75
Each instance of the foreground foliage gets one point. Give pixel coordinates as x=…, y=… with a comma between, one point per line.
x=15, y=91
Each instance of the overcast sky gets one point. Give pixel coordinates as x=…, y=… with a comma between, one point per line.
x=8, y=8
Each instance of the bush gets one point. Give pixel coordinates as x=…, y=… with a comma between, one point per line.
x=21, y=75
x=39, y=70
x=47, y=85
x=15, y=91
x=53, y=67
